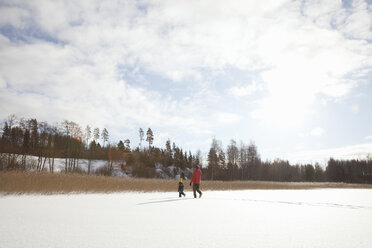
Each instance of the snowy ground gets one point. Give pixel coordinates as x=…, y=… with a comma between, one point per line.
x=261, y=218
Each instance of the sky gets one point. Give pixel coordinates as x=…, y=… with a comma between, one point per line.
x=294, y=77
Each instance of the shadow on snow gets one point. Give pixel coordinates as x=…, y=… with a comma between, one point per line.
x=164, y=201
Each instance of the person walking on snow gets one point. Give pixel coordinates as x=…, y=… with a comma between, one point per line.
x=180, y=185
x=196, y=178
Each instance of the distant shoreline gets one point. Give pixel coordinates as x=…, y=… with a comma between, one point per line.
x=61, y=183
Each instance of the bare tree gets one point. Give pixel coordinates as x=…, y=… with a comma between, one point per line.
x=243, y=159
x=52, y=147
x=87, y=135
x=73, y=134
x=198, y=158
x=43, y=145
x=65, y=125
x=11, y=120
x=26, y=141
x=232, y=156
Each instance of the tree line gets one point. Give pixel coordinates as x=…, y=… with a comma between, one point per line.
x=243, y=162
x=21, y=138
x=29, y=137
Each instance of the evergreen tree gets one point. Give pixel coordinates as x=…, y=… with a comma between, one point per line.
x=96, y=133
x=212, y=162
x=189, y=162
x=105, y=136
x=253, y=160
x=309, y=173
x=150, y=137
x=6, y=132
x=168, y=153
x=121, y=146
x=319, y=173
x=26, y=141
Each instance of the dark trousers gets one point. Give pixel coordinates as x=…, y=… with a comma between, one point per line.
x=181, y=193
x=195, y=188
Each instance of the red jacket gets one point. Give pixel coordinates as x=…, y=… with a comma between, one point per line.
x=196, y=176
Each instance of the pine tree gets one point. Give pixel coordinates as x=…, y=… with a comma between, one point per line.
x=150, y=137
x=168, y=153
x=105, y=136
x=6, y=132
x=189, y=162
x=121, y=146
x=253, y=160
x=212, y=162
x=96, y=134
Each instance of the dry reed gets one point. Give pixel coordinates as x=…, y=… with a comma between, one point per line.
x=60, y=183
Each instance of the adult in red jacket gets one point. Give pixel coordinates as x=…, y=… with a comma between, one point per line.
x=196, y=178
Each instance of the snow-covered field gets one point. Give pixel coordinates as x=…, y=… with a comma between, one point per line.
x=260, y=218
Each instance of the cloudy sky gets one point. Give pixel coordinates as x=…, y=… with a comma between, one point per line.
x=295, y=77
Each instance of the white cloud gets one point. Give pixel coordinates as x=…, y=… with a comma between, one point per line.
x=317, y=132
x=297, y=51
x=369, y=137
x=359, y=151
x=245, y=90
x=179, y=39
x=306, y=67
x=2, y=82
x=359, y=23
x=227, y=118
x=63, y=86
x=14, y=16
x=79, y=80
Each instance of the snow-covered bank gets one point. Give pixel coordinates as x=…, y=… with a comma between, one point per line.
x=119, y=168
x=281, y=218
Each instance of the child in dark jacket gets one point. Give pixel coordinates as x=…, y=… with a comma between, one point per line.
x=180, y=185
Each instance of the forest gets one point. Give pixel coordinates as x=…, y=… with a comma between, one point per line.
x=21, y=138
